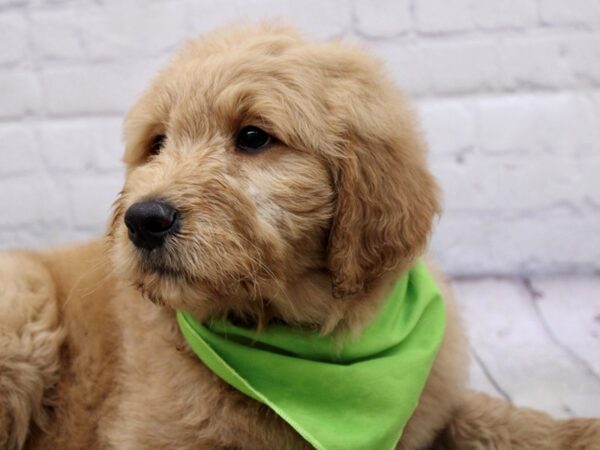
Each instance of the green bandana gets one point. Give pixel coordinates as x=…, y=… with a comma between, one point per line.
x=356, y=397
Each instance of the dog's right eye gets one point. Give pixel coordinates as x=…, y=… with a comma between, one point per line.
x=157, y=143
x=252, y=139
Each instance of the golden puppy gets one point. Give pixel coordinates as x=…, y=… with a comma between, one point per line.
x=269, y=180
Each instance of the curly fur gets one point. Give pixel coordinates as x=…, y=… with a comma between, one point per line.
x=30, y=338
x=310, y=232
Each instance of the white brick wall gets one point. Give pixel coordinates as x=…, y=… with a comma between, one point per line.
x=509, y=94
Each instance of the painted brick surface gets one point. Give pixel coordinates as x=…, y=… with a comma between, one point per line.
x=508, y=93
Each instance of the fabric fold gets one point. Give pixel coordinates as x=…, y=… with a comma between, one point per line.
x=353, y=396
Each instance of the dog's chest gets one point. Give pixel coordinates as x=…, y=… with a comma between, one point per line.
x=169, y=399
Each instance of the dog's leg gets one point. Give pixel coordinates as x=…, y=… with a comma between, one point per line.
x=482, y=422
x=30, y=340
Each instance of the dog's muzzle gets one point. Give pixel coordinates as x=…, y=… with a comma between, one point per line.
x=150, y=222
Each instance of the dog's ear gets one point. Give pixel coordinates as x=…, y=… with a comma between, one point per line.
x=387, y=199
x=142, y=125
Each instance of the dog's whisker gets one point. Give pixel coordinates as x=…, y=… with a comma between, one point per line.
x=94, y=288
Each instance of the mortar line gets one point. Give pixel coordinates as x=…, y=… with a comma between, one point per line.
x=535, y=295
x=489, y=375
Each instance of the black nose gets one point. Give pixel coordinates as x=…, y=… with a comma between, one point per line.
x=150, y=222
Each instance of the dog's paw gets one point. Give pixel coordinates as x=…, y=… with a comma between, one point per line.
x=30, y=340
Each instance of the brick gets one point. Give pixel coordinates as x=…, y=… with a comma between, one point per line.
x=540, y=244
x=580, y=54
x=569, y=124
x=594, y=99
x=102, y=89
x=432, y=68
x=382, y=18
x=560, y=124
x=109, y=146
x=114, y=31
x=30, y=200
x=13, y=35
x=404, y=62
x=18, y=150
x=83, y=144
x=526, y=62
x=589, y=168
x=504, y=125
x=19, y=93
x=459, y=68
x=90, y=201
x=574, y=12
x=507, y=14
x=449, y=127
x=315, y=17
x=503, y=186
x=57, y=35
x=435, y=16
x=67, y=146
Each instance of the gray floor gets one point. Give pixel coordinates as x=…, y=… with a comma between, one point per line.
x=535, y=342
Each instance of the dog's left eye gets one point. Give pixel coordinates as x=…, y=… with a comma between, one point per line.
x=252, y=139
x=157, y=143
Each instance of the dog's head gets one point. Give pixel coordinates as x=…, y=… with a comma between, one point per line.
x=269, y=177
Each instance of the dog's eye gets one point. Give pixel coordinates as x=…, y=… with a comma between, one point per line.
x=157, y=143
x=252, y=139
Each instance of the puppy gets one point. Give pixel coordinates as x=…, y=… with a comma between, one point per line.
x=271, y=182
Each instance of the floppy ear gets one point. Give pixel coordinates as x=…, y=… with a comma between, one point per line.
x=142, y=123
x=386, y=203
